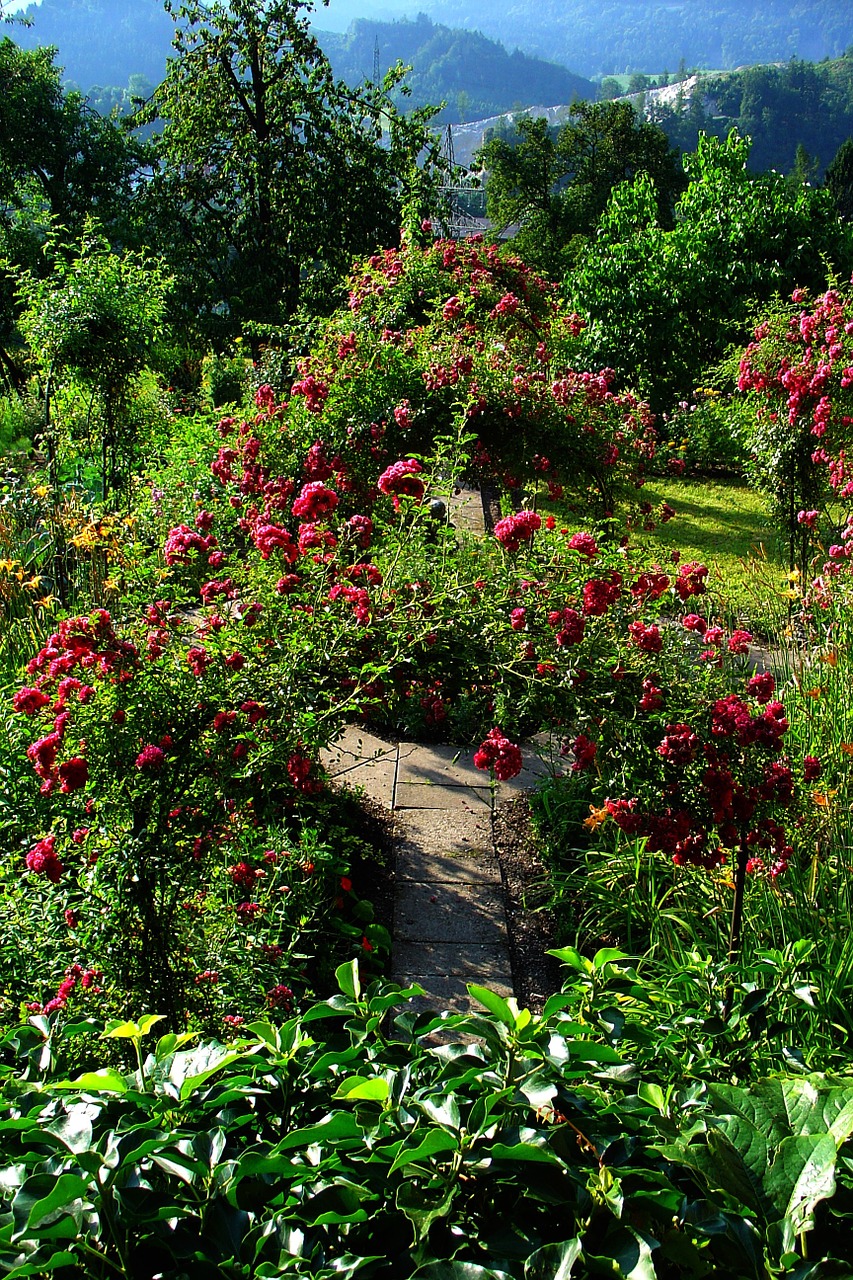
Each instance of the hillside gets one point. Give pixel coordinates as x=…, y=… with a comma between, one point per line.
x=600, y=37
x=474, y=75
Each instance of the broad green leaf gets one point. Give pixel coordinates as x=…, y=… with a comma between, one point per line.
x=457, y=1271
x=332, y=1128
x=653, y=1094
x=802, y=1174
x=107, y=1080
x=44, y=1198
x=423, y=1205
x=495, y=1004
x=348, y=980
x=190, y=1068
x=442, y=1110
x=74, y=1129
x=372, y=1088
x=609, y=955
x=628, y=1256
x=55, y=1262
x=572, y=957
x=435, y=1141
x=553, y=1261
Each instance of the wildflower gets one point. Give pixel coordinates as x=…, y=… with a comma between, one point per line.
x=596, y=818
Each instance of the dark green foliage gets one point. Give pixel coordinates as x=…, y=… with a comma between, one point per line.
x=555, y=184
x=268, y=165
x=839, y=179
x=340, y=1144
x=781, y=109
x=664, y=305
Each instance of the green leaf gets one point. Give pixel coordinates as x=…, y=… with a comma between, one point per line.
x=348, y=980
x=457, y=1271
x=337, y=1126
x=553, y=1261
x=653, y=1094
x=46, y=1197
x=628, y=1256
x=494, y=1003
x=423, y=1205
x=435, y=1142
x=609, y=955
x=572, y=957
x=107, y=1080
x=55, y=1262
x=74, y=1129
x=802, y=1174
x=372, y=1088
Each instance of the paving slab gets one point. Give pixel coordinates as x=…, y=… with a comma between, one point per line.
x=457, y=831
x=354, y=747
x=426, y=796
x=417, y=863
x=376, y=777
x=475, y=962
x=449, y=913
x=445, y=766
x=450, y=993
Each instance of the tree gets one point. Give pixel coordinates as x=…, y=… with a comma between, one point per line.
x=663, y=305
x=270, y=165
x=557, y=187
x=96, y=318
x=839, y=180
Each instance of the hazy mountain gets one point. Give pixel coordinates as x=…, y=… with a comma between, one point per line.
x=116, y=42
x=602, y=37
x=475, y=76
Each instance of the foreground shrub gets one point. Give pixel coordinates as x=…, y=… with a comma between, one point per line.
x=340, y=1144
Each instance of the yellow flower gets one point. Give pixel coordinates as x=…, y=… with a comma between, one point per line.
x=8, y=565
x=794, y=575
x=595, y=819
x=823, y=799
x=34, y=583
x=41, y=490
x=46, y=602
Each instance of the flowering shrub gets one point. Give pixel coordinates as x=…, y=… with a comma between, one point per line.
x=798, y=374
x=455, y=339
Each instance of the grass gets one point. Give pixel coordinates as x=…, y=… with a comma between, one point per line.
x=725, y=524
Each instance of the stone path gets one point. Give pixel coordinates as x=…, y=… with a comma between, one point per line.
x=449, y=925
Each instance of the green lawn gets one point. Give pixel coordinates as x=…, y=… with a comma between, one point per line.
x=725, y=524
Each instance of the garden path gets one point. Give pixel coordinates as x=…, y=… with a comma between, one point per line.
x=449, y=924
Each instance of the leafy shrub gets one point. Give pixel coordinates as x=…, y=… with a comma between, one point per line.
x=340, y=1144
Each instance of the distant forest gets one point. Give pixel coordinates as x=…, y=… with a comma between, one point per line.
x=113, y=49
x=606, y=37
x=797, y=115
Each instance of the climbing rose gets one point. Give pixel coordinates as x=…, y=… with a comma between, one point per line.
x=401, y=481
x=42, y=859
x=150, y=759
x=513, y=530
x=314, y=502
x=499, y=754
